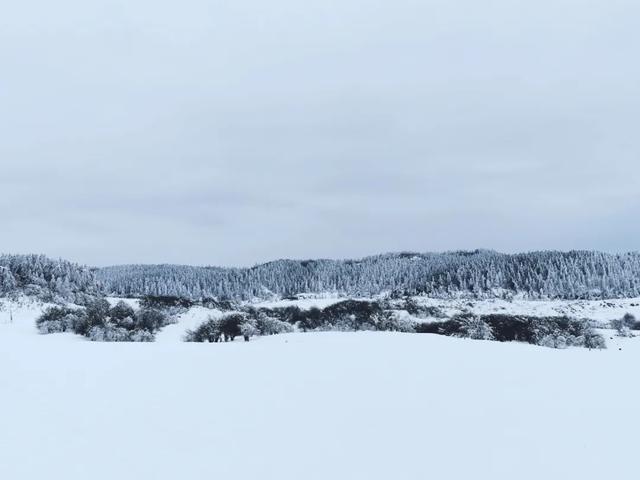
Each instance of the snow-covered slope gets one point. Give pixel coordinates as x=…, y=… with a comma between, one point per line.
x=603, y=310
x=18, y=317
x=186, y=321
x=483, y=273
x=313, y=406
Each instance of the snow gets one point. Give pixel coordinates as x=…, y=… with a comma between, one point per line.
x=189, y=320
x=603, y=310
x=197, y=315
x=302, y=303
x=18, y=317
x=312, y=406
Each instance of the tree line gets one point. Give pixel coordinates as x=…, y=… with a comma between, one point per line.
x=479, y=274
x=563, y=275
x=49, y=280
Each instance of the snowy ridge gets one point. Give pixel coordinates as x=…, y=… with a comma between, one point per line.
x=46, y=278
x=477, y=274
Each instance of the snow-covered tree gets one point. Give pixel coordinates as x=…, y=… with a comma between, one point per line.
x=50, y=280
x=101, y=322
x=476, y=328
x=570, y=275
x=624, y=325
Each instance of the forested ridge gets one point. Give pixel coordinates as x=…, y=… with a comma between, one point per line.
x=480, y=273
x=48, y=279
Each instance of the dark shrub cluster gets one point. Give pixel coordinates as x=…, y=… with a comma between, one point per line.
x=348, y=315
x=60, y=319
x=208, y=332
x=218, y=304
x=554, y=332
x=163, y=302
x=625, y=324
x=272, y=322
x=354, y=315
x=414, y=308
x=226, y=328
x=174, y=305
x=294, y=315
x=101, y=322
x=351, y=315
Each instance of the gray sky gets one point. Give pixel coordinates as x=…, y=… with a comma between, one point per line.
x=234, y=132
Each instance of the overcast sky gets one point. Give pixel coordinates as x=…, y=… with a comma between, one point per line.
x=235, y=132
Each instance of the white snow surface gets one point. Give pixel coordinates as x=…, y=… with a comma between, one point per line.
x=312, y=406
x=603, y=310
x=186, y=321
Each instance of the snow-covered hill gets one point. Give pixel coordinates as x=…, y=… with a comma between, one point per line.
x=476, y=274
x=313, y=406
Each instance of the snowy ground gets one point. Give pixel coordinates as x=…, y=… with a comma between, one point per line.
x=187, y=321
x=313, y=406
x=603, y=310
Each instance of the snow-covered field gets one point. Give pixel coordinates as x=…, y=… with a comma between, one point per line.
x=603, y=310
x=312, y=406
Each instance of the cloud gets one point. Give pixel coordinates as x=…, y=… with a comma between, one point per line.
x=238, y=132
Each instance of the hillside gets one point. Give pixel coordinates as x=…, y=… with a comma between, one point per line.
x=568, y=275
x=477, y=274
x=46, y=279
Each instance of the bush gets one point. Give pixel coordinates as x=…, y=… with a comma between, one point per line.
x=267, y=325
x=208, y=332
x=108, y=333
x=393, y=322
x=227, y=327
x=509, y=328
x=624, y=325
x=149, y=320
x=554, y=332
x=121, y=311
x=594, y=340
x=248, y=330
x=292, y=314
x=58, y=319
x=230, y=326
x=475, y=328
x=165, y=302
x=223, y=305
x=113, y=333
x=100, y=322
x=422, y=311
x=308, y=320
x=348, y=315
x=553, y=341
